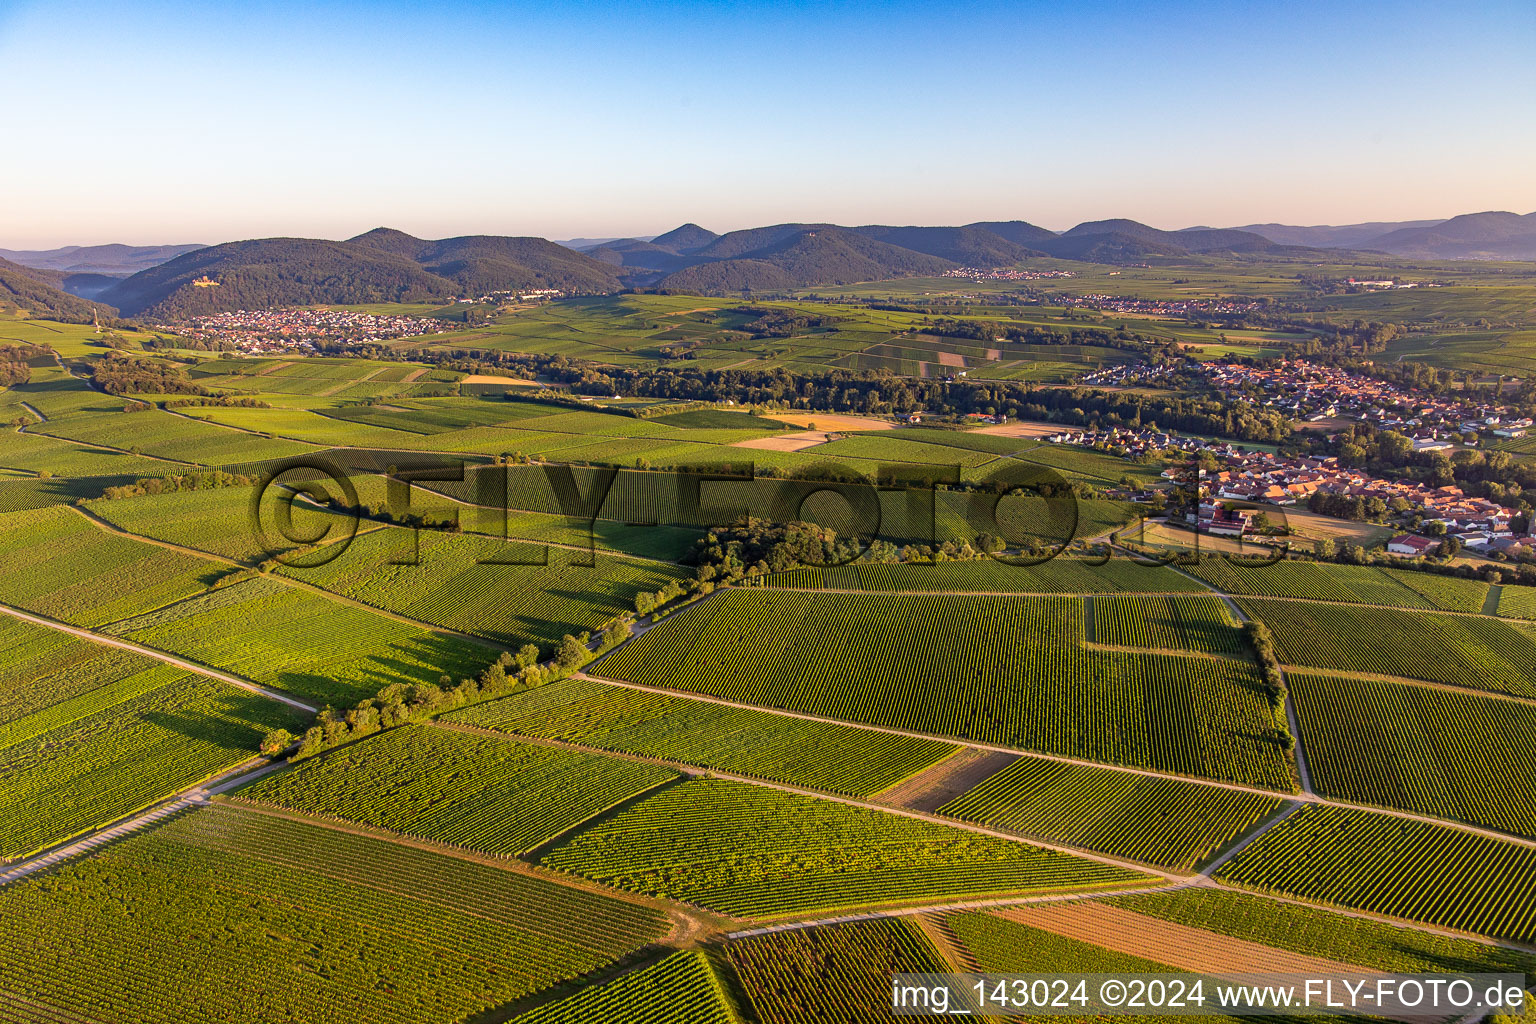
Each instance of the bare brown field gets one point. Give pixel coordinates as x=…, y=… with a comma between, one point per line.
x=785, y=442
x=1164, y=942
x=937, y=785
x=823, y=421
x=1023, y=428
x=489, y=378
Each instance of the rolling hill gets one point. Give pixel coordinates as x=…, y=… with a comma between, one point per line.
x=382, y=265
x=800, y=255
x=35, y=291
x=1491, y=235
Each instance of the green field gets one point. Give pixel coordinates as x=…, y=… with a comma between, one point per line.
x=836, y=758
x=90, y=733
x=1459, y=650
x=1063, y=575
x=1010, y=670
x=487, y=587
x=1323, y=933
x=1407, y=869
x=1166, y=822
x=681, y=989
x=1358, y=584
x=176, y=925
x=304, y=643
x=758, y=853
x=1453, y=755
x=833, y=975
x=61, y=565
x=482, y=793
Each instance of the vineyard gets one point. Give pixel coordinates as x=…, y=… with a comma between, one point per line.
x=1460, y=650
x=43, y=671
x=481, y=793
x=680, y=989
x=753, y=852
x=836, y=758
x=33, y=453
x=309, y=645
x=1194, y=623
x=58, y=564
x=1354, y=584
x=1455, y=755
x=989, y=575
x=1160, y=821
x=833, y=975
x=166, y=435
x=457, y=584
x=170, y=926
x=1002, y=946
x=118, y=748
x=1009, y=670
x=1409, y=869
x=1517, y=602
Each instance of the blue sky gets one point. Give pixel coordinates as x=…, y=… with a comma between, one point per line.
x=161, y=122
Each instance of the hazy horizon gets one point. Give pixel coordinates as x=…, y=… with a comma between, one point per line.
x=178, y=121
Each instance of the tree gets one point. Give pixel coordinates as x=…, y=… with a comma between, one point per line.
x=275, y=742
x=1325, y=548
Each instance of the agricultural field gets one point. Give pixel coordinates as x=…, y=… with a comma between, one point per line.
x=132, y=741
x=1436, y=874
x=60, y=564
x=170, y=436
x=754, y=852
x=322, y=377
x=1166, y=822
x=503, y=591
x=1354, y=584
x=305, y=643
x=482, y=793
x=1010, y=670
x=1458, y=650
x=800, y=752
x=171, y=926
x=1314, y=931
x=838, y=974
x=1064, y=575
x=1454, y=755
x=683, y=988
x=1192, y=623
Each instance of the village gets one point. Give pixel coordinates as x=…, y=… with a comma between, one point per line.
x=281, y=330
x=1260, y=477
x=1310, y=393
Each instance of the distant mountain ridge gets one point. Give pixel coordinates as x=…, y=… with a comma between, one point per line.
x=1491, y=235
x=387, y=265
x=97, y=259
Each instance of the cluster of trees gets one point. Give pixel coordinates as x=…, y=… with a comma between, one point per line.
x=983, y=331
x=781, y=323
x=1263, y=644
x=119, y=373
x=206, y=480
x=400, y=703
x=224, y=400
x=15, y=363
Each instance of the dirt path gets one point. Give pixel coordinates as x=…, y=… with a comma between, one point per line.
x=177, y=802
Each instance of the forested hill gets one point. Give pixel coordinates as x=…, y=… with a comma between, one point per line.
x=22, y=288
x=380, y=266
